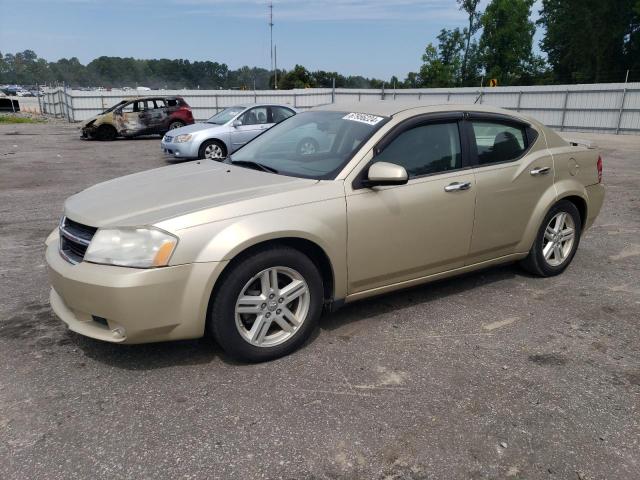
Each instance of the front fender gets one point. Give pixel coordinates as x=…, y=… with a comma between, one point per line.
x=323, y=223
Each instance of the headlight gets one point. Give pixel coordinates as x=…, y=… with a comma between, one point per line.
x=182, y=138
x=131, y=247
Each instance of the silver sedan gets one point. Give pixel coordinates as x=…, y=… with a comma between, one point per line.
x=223, y=133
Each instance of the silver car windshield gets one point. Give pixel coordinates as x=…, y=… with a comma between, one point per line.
x=311, y=144
x=225, y=115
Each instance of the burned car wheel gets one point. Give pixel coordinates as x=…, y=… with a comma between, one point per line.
x=176, y=124
x=267, y=305
x=106, y=133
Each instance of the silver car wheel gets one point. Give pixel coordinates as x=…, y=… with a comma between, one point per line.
x=174, y=125
x=213, y=152
x=559, y=237
x=307, y=148
x=272, y=306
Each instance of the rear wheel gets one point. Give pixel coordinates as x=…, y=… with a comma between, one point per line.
x=267, y=305
x=176, y=124
x=556, y=242
x=212, y=150
x=106, y=133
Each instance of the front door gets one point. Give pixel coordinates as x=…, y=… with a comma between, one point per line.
x=406, y=232
x=513, y=172
x=252, y=123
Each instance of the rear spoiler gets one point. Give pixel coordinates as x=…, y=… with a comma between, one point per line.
x=581, y=143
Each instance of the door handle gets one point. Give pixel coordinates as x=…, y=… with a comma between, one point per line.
x=457, y=186
x=540, y=171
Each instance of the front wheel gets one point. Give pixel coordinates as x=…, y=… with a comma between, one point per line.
x=212, y=150
x=556, y=242
x=267, y=305
x=106, y=133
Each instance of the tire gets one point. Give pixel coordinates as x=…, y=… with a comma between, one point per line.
x=557, y=259
x=258, y=336
x=176, y=124
x=106, y=133
x=307, y=146
x=212, y=146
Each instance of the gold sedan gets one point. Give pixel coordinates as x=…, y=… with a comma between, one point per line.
x=251, y=250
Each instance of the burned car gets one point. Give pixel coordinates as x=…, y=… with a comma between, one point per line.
x=139, y=116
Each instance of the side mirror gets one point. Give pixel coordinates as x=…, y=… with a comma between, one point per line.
x=384, y=173
x=237, y=123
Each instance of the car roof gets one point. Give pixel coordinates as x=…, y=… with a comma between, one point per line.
x=389, y=108
x=248, y=105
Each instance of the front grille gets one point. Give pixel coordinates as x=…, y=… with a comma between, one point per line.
x=74, y=239
x=168, y=139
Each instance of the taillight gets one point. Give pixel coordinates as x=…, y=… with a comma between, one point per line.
x=599, y=166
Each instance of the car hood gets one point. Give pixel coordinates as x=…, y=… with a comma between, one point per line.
x=196, y=127
x=89, y=120
x=150, y=197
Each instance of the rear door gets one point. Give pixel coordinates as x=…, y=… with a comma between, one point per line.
x=253, y=122
x=405, y=232
x=513, y=170
x=155, y=115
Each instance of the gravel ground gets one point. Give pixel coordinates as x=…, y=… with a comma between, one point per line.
x=492, y=375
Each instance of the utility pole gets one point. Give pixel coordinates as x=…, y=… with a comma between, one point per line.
x=275, y=62
x=271, y=36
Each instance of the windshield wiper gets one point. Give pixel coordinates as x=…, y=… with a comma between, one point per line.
x=254, y=165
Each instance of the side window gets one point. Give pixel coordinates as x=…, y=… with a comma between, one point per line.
x=498, y=142
x=173, y=102
x=160, y=103
x=128, y=108
x=255, y=116
x=425, y=149
x=280, y=114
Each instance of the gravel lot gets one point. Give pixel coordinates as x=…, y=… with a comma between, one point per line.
x=492, y=375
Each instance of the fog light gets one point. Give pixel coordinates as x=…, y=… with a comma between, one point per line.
x=118, y=332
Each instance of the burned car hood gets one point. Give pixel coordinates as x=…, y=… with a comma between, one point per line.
x=150, y=197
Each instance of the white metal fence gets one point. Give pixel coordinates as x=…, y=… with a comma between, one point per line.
x=602, y=108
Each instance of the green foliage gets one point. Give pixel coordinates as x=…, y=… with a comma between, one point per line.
x=25, y=68
x=10, y=118
x=591, y=40
x=507, y=41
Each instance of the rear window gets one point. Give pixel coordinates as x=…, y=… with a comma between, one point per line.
x=498, y=142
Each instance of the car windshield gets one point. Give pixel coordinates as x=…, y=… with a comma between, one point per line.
x=313, y=144
x=225, y=115
x=114, y=107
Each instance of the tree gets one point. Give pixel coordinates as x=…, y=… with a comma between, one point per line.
x=299, y=77
x=442, y=65
x=591, y=40
x=507, y=40
x=474, y=17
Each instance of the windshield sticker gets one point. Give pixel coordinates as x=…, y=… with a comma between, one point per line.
x=363, y=118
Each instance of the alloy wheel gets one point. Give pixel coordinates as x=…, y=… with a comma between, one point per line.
x=307, y=148
x=272, y=306
x=213, y=152
x=559, y=237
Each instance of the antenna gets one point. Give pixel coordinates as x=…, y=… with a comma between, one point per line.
x=271, y=34
x=275, y=64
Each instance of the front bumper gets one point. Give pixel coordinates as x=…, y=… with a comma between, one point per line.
x=88, y=131
x=129, y=305
x=186, y=150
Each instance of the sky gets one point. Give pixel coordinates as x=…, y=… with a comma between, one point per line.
x=373, y=38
